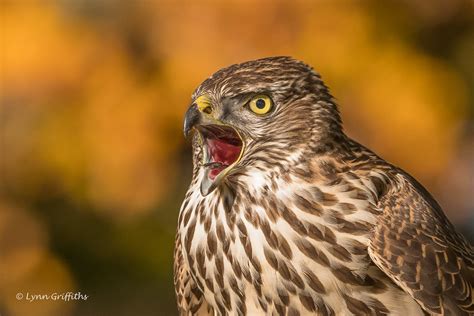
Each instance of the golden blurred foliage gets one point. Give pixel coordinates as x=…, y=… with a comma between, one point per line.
x=50, y=277
x=20, y=252
x=28, y=267
x=92, y=97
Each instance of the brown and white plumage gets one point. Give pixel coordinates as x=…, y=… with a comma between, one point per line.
x=286, y=215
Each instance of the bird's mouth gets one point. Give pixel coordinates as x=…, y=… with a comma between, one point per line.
x=222, y=149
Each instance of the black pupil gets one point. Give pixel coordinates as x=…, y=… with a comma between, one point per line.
x=260, y=103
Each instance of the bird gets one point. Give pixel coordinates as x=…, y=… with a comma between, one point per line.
x=287, y=215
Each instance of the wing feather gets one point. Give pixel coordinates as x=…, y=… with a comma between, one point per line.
x=418, y=248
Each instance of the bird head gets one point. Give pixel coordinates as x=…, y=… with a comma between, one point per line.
x=257, y=113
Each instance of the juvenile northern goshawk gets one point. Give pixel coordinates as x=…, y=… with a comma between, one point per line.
x=286, y=215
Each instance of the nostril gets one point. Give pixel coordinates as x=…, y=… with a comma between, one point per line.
x=207, y=110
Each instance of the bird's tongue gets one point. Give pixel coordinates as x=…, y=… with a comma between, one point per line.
x=223, y=154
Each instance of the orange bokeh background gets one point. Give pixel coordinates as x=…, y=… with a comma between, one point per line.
x=93, y=163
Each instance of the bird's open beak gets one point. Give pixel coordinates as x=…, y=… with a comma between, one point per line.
x=222, y=146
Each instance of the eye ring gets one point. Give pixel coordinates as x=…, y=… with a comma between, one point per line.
x=261, y=104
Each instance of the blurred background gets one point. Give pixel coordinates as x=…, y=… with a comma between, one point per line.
x=93, y=164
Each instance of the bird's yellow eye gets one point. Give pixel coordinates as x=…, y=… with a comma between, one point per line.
x=261, y=104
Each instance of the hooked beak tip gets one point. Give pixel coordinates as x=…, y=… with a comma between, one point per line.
x=191, y=119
